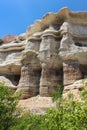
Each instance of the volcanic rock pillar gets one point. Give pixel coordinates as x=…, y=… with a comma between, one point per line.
x=30, y=72
x=51, y=75
x=29, y=82
x=50, y=79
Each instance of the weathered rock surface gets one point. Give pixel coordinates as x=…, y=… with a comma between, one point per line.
x=37, y=104
x=10, y=58
x=52, y=52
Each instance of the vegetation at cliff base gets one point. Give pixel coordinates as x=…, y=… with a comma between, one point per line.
x=69, y=114
x=8, y=109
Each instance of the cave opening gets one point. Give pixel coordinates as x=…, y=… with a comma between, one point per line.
x=14, y=79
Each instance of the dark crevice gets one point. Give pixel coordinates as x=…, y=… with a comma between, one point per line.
x=83, y=69
x=80, y=44
x=38, y=74
x=13, y=78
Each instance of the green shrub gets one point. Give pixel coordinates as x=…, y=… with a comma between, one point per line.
x=68, y=115
x=8, y=110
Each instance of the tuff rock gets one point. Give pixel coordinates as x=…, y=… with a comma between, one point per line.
x=52, y=52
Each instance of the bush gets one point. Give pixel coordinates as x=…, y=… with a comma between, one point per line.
x=8, y=110
x=68, y=115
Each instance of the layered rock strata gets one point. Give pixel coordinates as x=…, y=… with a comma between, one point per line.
x=52, y=52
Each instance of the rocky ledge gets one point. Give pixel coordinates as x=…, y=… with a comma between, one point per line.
x=52, y=52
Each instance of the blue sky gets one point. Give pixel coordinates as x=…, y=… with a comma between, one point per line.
x=17, y=15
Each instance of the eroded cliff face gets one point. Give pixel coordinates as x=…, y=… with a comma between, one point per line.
x=52, y=52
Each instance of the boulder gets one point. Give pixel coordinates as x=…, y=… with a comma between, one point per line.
x=9, y=38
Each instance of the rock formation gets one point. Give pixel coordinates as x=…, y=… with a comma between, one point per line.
x=52, y=52
x=9, y=38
